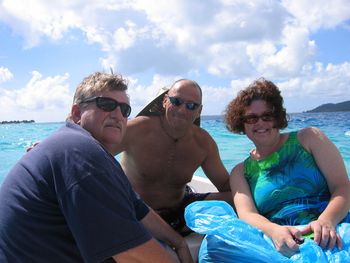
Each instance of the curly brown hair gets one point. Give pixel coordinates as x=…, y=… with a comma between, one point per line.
x=260, y=89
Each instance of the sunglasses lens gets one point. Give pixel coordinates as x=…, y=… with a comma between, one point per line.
x=106, y=104
x=191, y=106
x=252, y=119
x=267, y=117
x=109, y=104
x=175, y=101
x=125, y=109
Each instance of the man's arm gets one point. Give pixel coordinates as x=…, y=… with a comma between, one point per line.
x=151, y=251
x=216, y=172
x=213, y=167
x=160, y=230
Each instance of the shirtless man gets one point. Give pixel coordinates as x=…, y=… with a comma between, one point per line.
x=162, y=152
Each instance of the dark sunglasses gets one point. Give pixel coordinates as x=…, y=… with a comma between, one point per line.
x=109, y=104
x=178, y=102
x=254, y=118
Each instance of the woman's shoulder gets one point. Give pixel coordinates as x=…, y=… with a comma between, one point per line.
x=308, y=136
x=238, y=169
x=309, y=132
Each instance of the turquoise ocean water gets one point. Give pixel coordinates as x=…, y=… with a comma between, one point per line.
x=15, y=138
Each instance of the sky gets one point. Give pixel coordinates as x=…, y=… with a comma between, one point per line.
x=48, y=47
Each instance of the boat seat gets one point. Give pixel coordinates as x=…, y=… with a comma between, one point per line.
x=194, y=241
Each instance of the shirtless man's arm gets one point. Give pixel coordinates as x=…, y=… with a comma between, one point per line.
x=216, y=172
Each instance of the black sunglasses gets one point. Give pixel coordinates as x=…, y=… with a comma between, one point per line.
x=254, y=118
x=109, y=104
x=178, y=102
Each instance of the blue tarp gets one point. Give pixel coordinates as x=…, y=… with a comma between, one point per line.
x=229, y=239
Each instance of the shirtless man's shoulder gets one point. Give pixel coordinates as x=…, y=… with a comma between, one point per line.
x=141, y=123
x=204, y=139
x=138, y=129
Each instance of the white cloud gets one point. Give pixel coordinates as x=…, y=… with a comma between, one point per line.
x=35, y=19
x=320, y=81
x=296, y=50
x=154, y=34
x=319, y=14
x=5, y=74
x=233, y=39
x=49, y=99
x=124, y=38
x=141, y=95
x=222, y=63
x=317, y=84
x=42, y=99
x=215, y=99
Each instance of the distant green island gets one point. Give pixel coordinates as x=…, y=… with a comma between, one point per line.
x=23, y=121
x=332, y=107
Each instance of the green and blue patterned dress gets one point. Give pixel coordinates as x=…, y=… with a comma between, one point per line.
x=288, y=189
x=287, y=186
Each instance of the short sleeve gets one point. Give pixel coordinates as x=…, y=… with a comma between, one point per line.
x=102, y=210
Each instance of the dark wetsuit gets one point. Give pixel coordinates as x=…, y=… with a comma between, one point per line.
x=174, y=216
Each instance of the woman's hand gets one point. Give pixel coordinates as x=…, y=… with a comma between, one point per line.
x=325, y=234
x=286, y=239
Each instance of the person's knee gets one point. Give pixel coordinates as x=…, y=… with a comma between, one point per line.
x=170, y=251
x=222, y=196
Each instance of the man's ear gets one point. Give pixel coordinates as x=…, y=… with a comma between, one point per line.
x=199, y=111
x=76, y=114
x=164, y=100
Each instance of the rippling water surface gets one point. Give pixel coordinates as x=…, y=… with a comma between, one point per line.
x=234, y=148
x=15, y=138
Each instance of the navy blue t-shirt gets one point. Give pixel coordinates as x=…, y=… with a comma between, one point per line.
x=68, y=200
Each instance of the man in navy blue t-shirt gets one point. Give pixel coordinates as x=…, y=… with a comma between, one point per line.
x=68, y=200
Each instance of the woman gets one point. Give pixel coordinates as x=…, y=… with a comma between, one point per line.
x=289, y=179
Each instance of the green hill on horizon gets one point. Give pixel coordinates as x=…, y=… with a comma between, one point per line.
x=331, y=107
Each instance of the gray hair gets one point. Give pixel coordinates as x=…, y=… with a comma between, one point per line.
x=96, y=83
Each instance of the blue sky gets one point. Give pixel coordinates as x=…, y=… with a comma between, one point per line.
x=48, y=47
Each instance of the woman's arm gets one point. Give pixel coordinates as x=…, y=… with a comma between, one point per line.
x=285, y=238
x=332, y=166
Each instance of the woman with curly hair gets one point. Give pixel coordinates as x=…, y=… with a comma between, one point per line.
x=292, y=178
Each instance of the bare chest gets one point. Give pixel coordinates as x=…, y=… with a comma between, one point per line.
x=169, y=162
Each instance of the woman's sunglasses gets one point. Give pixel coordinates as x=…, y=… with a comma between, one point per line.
x=254, y=118
x=109, y=104
x=178, y=102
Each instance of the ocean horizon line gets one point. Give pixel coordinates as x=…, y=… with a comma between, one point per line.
x=204, y=117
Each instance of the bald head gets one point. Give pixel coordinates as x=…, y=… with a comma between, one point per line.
x=188, y=86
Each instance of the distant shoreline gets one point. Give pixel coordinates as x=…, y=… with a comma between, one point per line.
x=332, y=107
x=15, y=122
